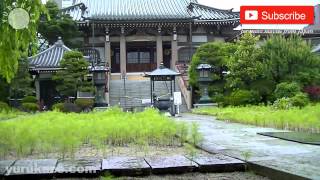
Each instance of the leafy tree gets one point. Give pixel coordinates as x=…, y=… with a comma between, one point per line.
x=72, y=76
x=59, y=25
x=291, y=59
x=215, y=54
x=21, y=83
x=15, y=43
x=246, y=64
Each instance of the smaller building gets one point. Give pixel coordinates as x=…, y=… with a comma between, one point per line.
x=42, y=67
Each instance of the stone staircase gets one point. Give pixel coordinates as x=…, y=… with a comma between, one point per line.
x=136, y=91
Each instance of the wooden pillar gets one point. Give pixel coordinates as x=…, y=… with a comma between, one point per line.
x=107, y=49
x=123, y=52
x=159, y=48
x=174, y=49
x=37, y=87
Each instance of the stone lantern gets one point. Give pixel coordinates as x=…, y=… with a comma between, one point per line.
x=204, y=71
x=100, y=81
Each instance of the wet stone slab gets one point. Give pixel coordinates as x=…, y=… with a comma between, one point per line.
x=78, y=167
x=218, y=163
x=129, y=166
x=33, y=168
x=171, y=164
x=4, y=166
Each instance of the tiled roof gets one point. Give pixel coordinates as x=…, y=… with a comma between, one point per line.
x=49, y=58
x=163, y=71
x=147, y=10
x=212, y=14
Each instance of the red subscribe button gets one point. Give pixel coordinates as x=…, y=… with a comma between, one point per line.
x=276, y=14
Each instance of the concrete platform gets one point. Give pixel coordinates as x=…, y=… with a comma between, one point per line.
x=243, y=142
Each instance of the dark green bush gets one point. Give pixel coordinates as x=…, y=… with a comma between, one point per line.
x=4, y=106
x=242, y=97
x=287, y=90
x=29, y=99
x=84, y=104
x=30, y=107
x=300, y=100
x=70, y=107
x=58, y=107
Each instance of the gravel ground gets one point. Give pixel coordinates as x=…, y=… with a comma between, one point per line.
x=88, y=152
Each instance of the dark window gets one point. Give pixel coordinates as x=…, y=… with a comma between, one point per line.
x=145, y=57
x=133, y=57
x=117, y=58
x=184, y=54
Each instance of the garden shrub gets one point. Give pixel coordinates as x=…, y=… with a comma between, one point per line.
x=287, y=90
x=30, y=107
x=84, y=104
x=4, y=106
x=313, y=92
x=70, y=107
x=58, y=107
x=218, y=98
x=29, y=99
x=282, y=103
x=300, y=100
x=242, y=97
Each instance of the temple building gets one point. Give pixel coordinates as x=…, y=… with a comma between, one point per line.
x=132, y=37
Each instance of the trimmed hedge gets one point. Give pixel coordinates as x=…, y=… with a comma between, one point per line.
x=30, y=107
x=84, y=104
x=29, y=99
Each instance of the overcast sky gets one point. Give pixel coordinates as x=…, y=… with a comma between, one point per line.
x=228, y=4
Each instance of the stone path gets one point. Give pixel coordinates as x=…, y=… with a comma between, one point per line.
x=243, y=142
x=118, y=166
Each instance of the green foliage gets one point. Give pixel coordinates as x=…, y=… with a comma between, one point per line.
x=242, y=97
x=14, y=44
x=291, y=59
x=4, y=107
x=30, y=107
x=301, y=119
x=195, y=137
x=59, y=25
x=21, y=84
x=71, y=108
x=283, y=103
x=84, y=103
x=58, y=107
x=213, y=53
x=287, y=90
x=29, y=99
x=246, y=64
x=72, y=78
x=48, y=132
x=4, y=90
x=300, y=100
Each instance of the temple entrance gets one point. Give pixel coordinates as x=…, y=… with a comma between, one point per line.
x=48, y=92
x=167, y=55
x=141, y=56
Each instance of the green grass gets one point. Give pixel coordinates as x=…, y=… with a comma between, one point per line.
x=64, y=133
x=6, y=115
x=306, y=119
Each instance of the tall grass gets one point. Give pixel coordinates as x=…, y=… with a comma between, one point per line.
x=5, y=115
x=65, y=133
x=306, y=119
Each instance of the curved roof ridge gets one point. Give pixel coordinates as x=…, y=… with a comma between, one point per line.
x=213, y=8
x=49, y=58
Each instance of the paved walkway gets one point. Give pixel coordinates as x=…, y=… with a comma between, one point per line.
x=237, y=140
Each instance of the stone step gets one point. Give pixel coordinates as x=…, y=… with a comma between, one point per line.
x=136, y=90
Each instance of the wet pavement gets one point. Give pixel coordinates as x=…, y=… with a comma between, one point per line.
x=243, y=142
